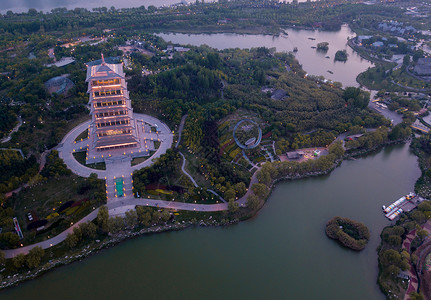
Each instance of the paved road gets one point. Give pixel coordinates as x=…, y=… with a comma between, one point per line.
x=387, y=113
x=68, y=145
x=52, y=241
x=118, y=206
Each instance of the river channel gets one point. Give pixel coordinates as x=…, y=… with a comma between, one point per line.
x=314, y=62
x=47, y=5
x=282, y=253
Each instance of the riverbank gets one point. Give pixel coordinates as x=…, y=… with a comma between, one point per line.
x=206, y=220
x=296, y=210
x=98, y=245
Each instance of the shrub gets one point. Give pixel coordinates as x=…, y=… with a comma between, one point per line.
x=349, y=233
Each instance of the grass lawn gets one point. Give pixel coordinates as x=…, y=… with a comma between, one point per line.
x=374, y=78
x=80, y=157
x=138, y=160
x=46, y=198
x=82, y=136
x=211, y=199
x=192, y=167
x=405, y=79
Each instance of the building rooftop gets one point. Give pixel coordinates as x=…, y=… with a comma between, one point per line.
x=378, y=44
x=114, y=141
x=423, y=67
x=105, y=71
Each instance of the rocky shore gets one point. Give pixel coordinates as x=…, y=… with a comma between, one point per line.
x=115, y=239
x=98, y=245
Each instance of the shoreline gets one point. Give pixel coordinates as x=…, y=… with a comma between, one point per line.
x=115, y=239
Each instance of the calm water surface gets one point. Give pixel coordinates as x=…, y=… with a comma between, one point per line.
x=313, y=61
x=282, y=253
x=47, y=5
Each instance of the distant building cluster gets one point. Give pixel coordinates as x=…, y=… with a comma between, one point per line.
x=171, y=49
x=396, y=28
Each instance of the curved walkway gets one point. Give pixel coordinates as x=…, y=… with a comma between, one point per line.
x=118, y=206
x=185, y=172
x=15, y=129
x=68, y=146
x=52, y=241
x=193, y=180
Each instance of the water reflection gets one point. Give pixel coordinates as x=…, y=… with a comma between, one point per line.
x=314, y=62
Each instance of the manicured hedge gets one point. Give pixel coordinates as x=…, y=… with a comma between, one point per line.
x=65, y=206
x=36, y=224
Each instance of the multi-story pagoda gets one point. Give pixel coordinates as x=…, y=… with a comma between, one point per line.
x=113, y=126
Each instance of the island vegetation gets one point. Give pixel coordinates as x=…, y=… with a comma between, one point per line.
x=349, y=233
x=323, y=46
x=341, y=55
x=215, y=89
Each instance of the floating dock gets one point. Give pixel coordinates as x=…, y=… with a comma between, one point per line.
x=404, y=204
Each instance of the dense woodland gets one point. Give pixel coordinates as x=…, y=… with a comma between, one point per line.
x=206, y=84
x=209, y=86
x=241, y=15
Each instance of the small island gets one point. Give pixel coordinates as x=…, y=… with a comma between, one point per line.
x=341, y=55
x=323, y=46
x=350, y=234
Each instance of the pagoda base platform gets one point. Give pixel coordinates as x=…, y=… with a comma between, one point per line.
x=146, y=138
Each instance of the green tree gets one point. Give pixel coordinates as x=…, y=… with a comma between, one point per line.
x=102, y=218
x=230, y=194
x=260, y=190
x=416, y=296
x=88, y=229
x=71, y=240
x=131, y=218
x=9, y=239
x=115, y=224
x=253, y=201
x=144, y=215
x=34, y=257
x=390, y=256
x=2, y=258
x=232, y=206
x=78, y=232
x=240, y=188
x=406, y=60
x=337, y=149
x=18, y=260
x=422, y=234
x=165, y=216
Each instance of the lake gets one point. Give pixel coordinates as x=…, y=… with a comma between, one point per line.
x=47, y=5
x=313, y=61
x=282, y=253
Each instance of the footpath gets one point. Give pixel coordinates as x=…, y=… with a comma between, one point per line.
x=123, y=168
